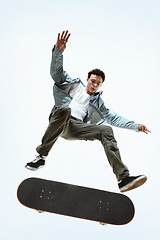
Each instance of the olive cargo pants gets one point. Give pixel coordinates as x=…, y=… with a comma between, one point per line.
x=61, y=124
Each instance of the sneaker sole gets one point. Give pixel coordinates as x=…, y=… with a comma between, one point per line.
x=134, y=184
x=33, y=169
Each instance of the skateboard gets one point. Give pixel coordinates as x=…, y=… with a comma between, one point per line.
x=76, y=201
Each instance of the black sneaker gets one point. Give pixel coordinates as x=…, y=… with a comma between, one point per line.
x=130, y=183
x=37, y=163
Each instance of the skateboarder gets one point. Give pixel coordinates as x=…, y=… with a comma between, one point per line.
x=79, y=114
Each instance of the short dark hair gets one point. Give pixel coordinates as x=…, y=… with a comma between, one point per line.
x=97, y=72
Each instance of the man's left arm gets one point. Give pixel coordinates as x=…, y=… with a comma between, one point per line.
x=116, y=120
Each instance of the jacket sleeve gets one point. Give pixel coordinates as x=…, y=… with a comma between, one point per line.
x=56, y=67
x=116, y=120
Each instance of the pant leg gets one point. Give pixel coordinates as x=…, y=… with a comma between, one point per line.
x=77, y=130
x=58, y=121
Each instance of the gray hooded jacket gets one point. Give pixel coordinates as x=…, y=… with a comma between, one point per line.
x=97, y=112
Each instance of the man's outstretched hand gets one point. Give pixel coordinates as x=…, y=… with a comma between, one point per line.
x=62, y=40
x=143, y=128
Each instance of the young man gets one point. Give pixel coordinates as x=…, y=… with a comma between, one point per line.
x=78, y=114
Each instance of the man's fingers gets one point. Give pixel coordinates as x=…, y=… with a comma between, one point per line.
x=65, y=36
x=58, y=36
x=62, y=35
x=146, y=130
x=68, y=37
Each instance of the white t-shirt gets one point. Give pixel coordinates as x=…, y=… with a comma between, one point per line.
x=80, y=101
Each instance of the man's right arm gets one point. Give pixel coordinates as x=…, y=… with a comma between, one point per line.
x=56, y=68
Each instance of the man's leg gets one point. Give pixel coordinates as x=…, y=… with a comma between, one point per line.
x=77, y=130
x=81, y=131
x=58, y=122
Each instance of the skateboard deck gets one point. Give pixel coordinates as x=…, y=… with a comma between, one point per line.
x=76, y=201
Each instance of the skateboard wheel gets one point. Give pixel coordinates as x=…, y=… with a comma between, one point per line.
x=40, y=211
x=103, y=223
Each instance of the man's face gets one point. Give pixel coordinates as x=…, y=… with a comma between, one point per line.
x=93, y=83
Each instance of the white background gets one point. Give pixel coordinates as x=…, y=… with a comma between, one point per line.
x=120, y=37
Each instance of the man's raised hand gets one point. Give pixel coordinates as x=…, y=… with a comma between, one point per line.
x=62, y=40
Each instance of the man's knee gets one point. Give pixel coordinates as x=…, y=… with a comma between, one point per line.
x=60, y=113
x=65, y=110
x=107, y=129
